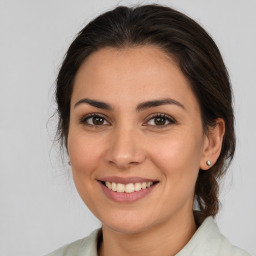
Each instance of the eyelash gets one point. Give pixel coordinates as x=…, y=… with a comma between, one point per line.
x=171, y=120
x=84, y=119
x=168, y=118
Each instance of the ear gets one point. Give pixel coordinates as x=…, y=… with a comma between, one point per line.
x=212, y=144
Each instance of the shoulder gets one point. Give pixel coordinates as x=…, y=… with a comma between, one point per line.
x=86, y=246
x=227, y=249
x=208, y=241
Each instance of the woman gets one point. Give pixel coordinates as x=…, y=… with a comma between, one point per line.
x=145, y=113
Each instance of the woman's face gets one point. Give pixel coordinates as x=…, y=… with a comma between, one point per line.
x=135, y=123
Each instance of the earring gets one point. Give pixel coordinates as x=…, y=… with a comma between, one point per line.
x=69, y=163
x=208, y=162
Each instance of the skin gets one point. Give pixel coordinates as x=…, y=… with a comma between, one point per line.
x=130, y=143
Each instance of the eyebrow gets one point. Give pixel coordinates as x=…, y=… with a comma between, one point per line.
x=94, y=103
x=140, y=107
x=156, y=103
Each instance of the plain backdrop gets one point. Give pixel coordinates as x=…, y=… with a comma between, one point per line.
x=39, y=206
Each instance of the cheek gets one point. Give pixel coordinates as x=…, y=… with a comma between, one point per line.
x=84, y=153
x=178, y=160
x=85, y=157
x=178, y=157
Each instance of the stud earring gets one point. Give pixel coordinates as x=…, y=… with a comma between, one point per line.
x=208, y=162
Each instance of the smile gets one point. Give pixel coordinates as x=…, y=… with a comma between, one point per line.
x=128, y=188
x=124, y=190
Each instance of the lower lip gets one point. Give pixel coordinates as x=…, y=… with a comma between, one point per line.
x=126, y=197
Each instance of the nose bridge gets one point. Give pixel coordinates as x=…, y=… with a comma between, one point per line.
x=125, y=148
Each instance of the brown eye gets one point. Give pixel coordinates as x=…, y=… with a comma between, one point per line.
x=94, y=120
x=161, y=120
x=97, y=120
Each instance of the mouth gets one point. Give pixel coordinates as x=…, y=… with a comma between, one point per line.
x=130, y=187
x=127, y=190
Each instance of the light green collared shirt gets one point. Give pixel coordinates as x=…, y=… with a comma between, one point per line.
x=207, y=241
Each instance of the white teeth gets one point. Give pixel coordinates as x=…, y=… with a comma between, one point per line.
x=109, y=185
x=137, y=187
x=149, y=184
x=114, y=186
x=128, y=188
x=120, y=187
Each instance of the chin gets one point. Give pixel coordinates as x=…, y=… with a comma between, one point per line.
x=125, y=229
x=127, y=225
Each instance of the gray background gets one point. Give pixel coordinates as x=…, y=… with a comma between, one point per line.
x=39, y=207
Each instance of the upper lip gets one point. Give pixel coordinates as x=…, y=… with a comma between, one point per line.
x=126, y=180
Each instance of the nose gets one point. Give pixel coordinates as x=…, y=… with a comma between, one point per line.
x=125, y=149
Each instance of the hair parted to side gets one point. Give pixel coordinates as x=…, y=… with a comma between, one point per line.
x=194, y=51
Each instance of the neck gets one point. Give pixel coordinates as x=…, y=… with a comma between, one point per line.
x=164, y=239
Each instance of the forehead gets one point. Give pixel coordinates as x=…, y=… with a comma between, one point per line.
x=131, y=74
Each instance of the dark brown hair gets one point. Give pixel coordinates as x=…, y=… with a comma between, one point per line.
x=197, y=56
